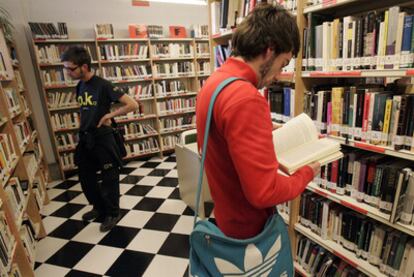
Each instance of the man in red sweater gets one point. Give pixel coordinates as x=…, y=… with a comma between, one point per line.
x=241, y=165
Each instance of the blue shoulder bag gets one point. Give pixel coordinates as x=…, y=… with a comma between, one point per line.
x=212, y=253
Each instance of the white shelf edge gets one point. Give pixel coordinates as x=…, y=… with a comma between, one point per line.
x=321, y=7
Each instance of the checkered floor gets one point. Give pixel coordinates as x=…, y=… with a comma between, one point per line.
x=151, y=239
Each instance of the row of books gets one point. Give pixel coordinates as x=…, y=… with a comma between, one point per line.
x=221, y=54
x=318, y=262
x=23, y=132
x=144, y=146
x=6, y=244
x=381, y=246
x=138, y=91
x=172, y=50
x=176, y=105
x=132, y=130
x=65, y=120
x=27, y=236
x=7, y=154
x=380, y=181
x=126, y=72
x=203, y=67
x=168, y=124
x=19, y=80
x=13, y=100
x=374, y=114
x=48, y=30
x=67, y=160
x=202, y=49
x=104, y=31
x=61, y=99
x=58, y=76
x=144, y=108
x=374, y=40
x=123, y=51
x=66, y=140
x=16, y=197
x=166, y=88
x=51, y=53
x=281, y=102
x=199, y=31
x=30, y=160
x=157, y=31
x=173, y=69
x=170, y=141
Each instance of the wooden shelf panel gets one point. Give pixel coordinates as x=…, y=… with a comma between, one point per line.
x=177, y=95
x=177, y=130
x=142, y=155
x=177, y=113
x=327, y=5
x=131, y=138
x=358, y=73
x=151, y=116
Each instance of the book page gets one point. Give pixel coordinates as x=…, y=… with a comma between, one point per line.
x=297, y=131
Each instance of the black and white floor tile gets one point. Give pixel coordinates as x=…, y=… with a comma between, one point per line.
x=151, y=238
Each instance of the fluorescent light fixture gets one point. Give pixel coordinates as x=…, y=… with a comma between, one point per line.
x=189, y=2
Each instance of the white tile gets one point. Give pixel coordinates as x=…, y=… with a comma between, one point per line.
x=52, y=184
x=123, y=188
x=122, y=176
x=149, y=241
x=160, y=192
x=184, y=225
x=150, y=180
x=52, y=193
x=135, y=219
x=172, y=206
x=80, y=199
x=142, y=171
x=128, y=201
x=52, y=207
x=78, y=215
x=48, y=246
x=166, y=266
x=74, y=178
x=52, y=222
x=135, y=164
x=166, y=165
x=90, y=234
x=76, y=187
x=172, y=174
x=48, y=270
x=156, y=159
x=99, y=259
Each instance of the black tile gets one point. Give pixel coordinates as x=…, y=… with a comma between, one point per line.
x=171, y=159
x=139, y=190
x=37, y=265
x=168, y=182
x=212, y=220
x=119, y=236
x=70, y=254
x=162, y=222
x=68, y=210
x=175, y=194
x=188, y=211
x=66, y=184
x=150, y=164
x=68, y=229
x=101, y=219
x=159, y=172
x=78, y=273
x=208, y=208
x=131, y=179
x=149, y=204
x=186, y=272
x=127, y=170
x=130, y=263
x=67, y=196
x=176, y=245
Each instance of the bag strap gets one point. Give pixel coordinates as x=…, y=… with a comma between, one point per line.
x=219, y=88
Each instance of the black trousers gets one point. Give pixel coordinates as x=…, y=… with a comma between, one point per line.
x=92, y=157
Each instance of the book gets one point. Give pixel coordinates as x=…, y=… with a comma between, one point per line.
x=177, y=32
x=297, y=144
x=137, y=31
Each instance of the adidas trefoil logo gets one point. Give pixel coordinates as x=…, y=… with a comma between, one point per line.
x=254, y=264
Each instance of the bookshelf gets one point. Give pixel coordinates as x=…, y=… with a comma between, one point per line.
x=163, y=74
x=23, y=170
x=342, y=72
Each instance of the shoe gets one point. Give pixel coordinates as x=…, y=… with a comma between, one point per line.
x=90, y=215
x=109, y=223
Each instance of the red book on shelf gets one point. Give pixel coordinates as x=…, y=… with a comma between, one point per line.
x=178, y=32
x=137, y=31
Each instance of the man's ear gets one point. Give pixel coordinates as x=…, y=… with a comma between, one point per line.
x=268, y=53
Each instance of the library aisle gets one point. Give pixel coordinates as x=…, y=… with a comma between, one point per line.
x=151, y=238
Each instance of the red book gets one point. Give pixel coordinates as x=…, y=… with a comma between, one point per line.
x=137, y=31
x=178, y=32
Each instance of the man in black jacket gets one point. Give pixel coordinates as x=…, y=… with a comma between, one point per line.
x=97, y=149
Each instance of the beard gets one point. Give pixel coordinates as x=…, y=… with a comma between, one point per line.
x=264, y=70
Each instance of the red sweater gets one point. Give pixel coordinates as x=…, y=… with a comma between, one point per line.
x=241, y=165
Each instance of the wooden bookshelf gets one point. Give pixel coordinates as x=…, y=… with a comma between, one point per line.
x=103, y=60
x=27, y=147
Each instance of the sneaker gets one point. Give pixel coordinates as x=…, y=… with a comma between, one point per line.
x=109, y=223
x=90, y=215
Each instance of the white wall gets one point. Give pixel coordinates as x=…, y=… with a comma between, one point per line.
x=80, y=17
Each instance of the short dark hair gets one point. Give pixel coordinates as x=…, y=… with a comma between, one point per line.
x=77, y=55
x=267, y=26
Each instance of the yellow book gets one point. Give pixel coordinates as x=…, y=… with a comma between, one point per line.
x=337, y=100
x=387, y=119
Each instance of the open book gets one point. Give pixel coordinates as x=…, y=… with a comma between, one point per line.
x=297, y=144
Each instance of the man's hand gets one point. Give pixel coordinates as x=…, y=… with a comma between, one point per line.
x=276, y=126
x=105, y=120
x=316, y=167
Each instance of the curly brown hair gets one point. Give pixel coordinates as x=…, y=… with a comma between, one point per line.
x=267, y=26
